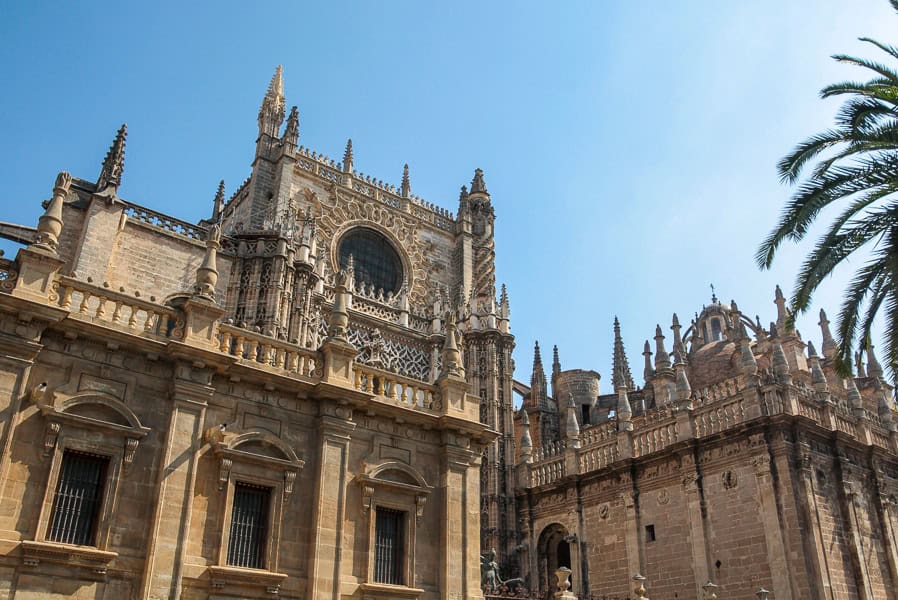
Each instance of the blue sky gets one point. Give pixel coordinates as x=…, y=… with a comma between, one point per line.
x=629, y=147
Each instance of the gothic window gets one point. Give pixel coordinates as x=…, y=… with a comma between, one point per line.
x=375, y=261
x=388, y=546
x=79, y=494
x=249, y=526
x=716, y=331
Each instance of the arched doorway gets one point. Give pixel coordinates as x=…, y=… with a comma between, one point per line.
x=554, y=551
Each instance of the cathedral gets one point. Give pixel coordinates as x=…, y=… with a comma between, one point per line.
x=310, y=395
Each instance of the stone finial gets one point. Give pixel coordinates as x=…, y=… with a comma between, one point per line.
x=526, y=440
x=477, y=184
x=818, y=378
x=747, y=362
x=450, y=354
x=709, y=591
x=556, y=362
x=347, y=157
x=662, y=358
x=463, y=204
x=830, y=348
x=537, y=359
x=504, y=306
x=677, y=340
x=207, y=274
x=406, y=182
x=639, y=590
x=218, y=202
x=874, y=369
x=562, y=576
x=853, y=395
x=780, y=364
x=782, y=314
x=291, y=131
x=762, y=594
x=114, y=163
x=271, y=112
x=338, y=320
x=648, y=371
x=572, y=426
x=623, y=411
x=49, y=225
x=538, y=388
x=683, y=389
x=620, y=364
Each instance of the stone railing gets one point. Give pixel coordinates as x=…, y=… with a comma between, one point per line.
x=846, y=424
x=101, y=304
x=258, y=349
x=330, y=171
x=655, y=437
x=547, y=471
x=402, y=390
x=718, y=391
x=164, y=222
x=718, y=416
x=8, y=274
x=598, y=457
x=550, y=450
x=598, y=434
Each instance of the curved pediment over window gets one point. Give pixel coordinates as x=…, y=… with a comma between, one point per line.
x=253, y=447
x=394, y=471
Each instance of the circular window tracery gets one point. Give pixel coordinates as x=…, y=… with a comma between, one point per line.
x=375, y=261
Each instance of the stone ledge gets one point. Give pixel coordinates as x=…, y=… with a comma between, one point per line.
x=223, y=575
x=77, y=556
x=384, y=591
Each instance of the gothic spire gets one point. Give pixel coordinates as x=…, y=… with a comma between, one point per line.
x=853, y=395
x=347, y=157
x=782, y=314
x=662, y=358
x=620, y=365
x=406, y=182
x=538, y=391
x=683, y=388
x=747, y=360
x=780, y=364
x=114, y=163
x=537, y=360
x=818, y=378
x=678, y=341
x=477, y=184
x=829, y=344
x=271, y=113
x=504, y=306
x=218, y=203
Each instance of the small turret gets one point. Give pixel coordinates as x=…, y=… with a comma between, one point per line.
x=406, y=186
x=818, y=378
x=478, y=186
x=830, y=348
x=348, y=158
x=113, y=165
x=662, y=358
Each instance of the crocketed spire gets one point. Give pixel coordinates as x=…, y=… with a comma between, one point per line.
x=538, y=388
x=271, y=112
x=556, y=363
x=347, y=157
x=406, y=186
x=620, y=366
x=291, y=131
x=218, y=203
x=477, y=184
x=114, y=163
x=830, y=348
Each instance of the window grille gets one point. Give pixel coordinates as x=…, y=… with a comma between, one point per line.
x=375, y=261
x=249, y=526
x=79, y=494
x=388, y=546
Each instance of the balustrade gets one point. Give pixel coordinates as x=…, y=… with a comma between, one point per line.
x=264, y=350
x=401, y=389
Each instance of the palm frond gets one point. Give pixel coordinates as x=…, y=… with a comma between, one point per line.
x=872, y=65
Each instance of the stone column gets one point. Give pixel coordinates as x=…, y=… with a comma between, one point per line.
x=176, y=480
x=631, y=535
x=815, y=540
x=460, y=516
x=329, y=511
x=777, y=556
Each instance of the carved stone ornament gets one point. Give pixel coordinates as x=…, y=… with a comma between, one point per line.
x=224, y=471
x=51, y=434
x=604, y=511
x=420, y=501
x=130, y=450
x=663, y=497
x=367, y=496
x=289, y=479
x=729, y=480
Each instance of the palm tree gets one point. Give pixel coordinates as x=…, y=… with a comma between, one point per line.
x=857, y=170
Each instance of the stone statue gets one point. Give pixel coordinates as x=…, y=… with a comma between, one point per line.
x=489, y=571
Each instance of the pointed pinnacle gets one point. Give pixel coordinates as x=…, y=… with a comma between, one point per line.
x=406, y=182
x=114, y=163
x=620, y=365
x=276, y=85
x=556, y=363
x=478, y=186
x=218, y=203
x=347, y=157
x=874, y=369
x=537, y=358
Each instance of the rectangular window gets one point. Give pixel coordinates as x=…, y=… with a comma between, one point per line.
x=388, y=546
x=650, y=533
x=249, y=526
x=79, y=494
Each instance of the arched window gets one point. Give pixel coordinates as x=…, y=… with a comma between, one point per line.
x=716, y=331
x=376, y=263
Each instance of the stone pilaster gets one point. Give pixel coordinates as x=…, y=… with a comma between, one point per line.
x=631, y=534
x=460, y=516
x=777, y=556
x=329, y=511
x=190, y=394
x=815, y=539
x=696, y=528
x=855, y=540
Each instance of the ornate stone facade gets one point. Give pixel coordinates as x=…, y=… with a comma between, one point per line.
x=742, y=461
x=258, y=405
